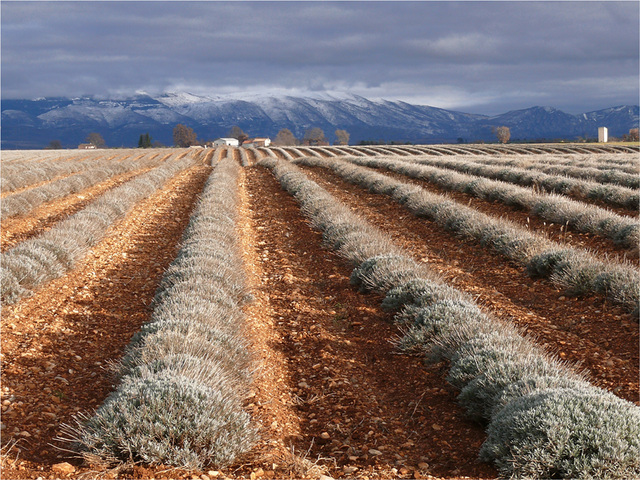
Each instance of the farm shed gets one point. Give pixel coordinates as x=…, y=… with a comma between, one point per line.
x=86, y=146
x=232, y=142
x=257, y=142
x=262, y=142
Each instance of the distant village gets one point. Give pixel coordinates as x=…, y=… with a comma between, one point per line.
x=234, y=142
x=185, y=137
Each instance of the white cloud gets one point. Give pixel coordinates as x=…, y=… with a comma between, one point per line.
x=468, y=46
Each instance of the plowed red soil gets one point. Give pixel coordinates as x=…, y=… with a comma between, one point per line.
x=345, y=399
x=20, y=228
x=56, y=345
x=35, y=185
x=560, y=233
x=331, y=394
x=589, y=332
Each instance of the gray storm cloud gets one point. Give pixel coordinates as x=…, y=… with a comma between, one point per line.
x=475, y=56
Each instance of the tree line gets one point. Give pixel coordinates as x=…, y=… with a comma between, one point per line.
x=312, y=137
x=184, y=136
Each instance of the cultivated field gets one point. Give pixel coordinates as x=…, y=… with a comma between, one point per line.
x=292, y=312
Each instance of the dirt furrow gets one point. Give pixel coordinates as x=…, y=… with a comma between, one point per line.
x=96, y=159
x=237, y=156
x=576, y=194
x=600, y=338
x=18, y=229
x=271, y=402
x=557, y=232
x=57, y=345
x=331, y=387
x=36, y=185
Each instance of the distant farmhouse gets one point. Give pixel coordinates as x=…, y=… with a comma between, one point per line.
x=256, y=142
x=230, y=142
x=86, y=146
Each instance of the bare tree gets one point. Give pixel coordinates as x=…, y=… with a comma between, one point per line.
x=343, y=137
x=54, y=145
x=285, y=137
x=236, y=132
x=96, y=140
x=184, y=136
x=633, y=135
x=314, y=136
x=503, y=134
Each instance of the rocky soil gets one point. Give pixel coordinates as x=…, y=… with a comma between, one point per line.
x=331, y=394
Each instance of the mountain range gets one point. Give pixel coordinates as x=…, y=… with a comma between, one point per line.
x=35, y=123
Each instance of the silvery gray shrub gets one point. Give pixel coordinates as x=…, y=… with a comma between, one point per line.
x=565, y=433
x=383, y=272
x=69, y=240
x=420, y=292
x=168, y=420
x=544, y=420
x=186, y=372
x=577, y=188
x=576, y=272
x=22, y=202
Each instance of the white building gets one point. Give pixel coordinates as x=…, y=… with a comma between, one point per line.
x=231, y=142
x=262, y=142
x=256, y=142
x=603, y=134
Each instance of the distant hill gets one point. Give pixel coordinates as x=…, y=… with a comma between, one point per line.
x=34, y=123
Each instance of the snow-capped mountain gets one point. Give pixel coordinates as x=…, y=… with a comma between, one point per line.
x=34, y=123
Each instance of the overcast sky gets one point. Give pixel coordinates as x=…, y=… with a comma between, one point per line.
x=477, y=57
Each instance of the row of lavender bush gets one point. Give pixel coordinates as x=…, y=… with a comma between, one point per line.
x=543, y=420
x=50, y=255
x=525, y=149
x=553, y=208
x=576, y=270
x=573, y=187
x=38, y=168
x=186, y=373
x=24, y=156
x=625, y=161
x=595, y=168
x=25, y=201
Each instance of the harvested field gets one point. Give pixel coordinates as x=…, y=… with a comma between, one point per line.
x=331, y=391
